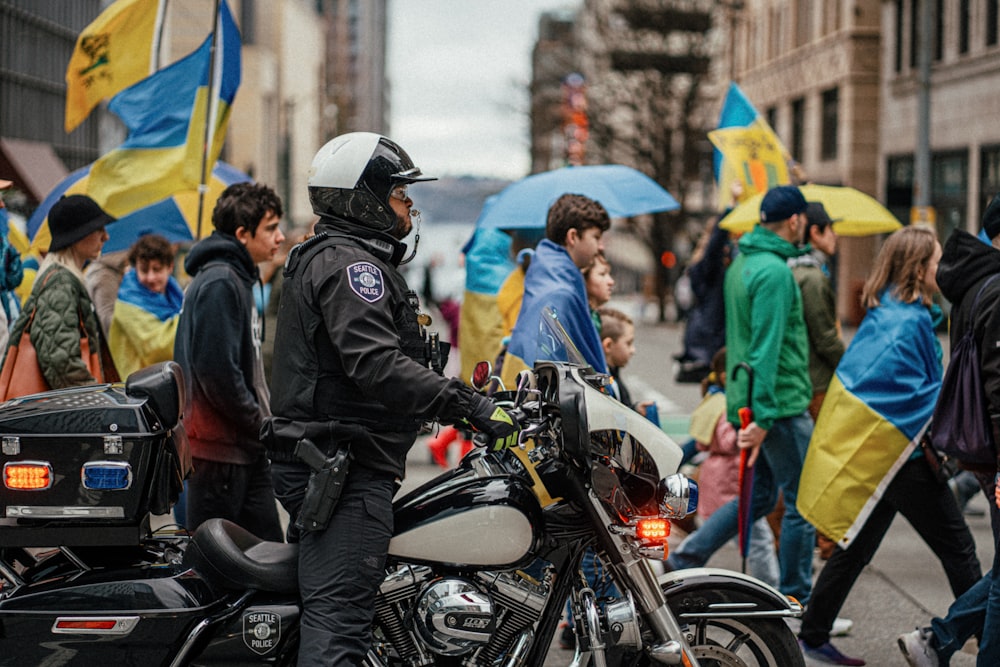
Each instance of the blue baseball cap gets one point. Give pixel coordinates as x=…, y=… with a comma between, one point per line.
x=781, y=203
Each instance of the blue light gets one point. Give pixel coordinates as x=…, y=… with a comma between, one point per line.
x=692, y=496
x=107, y=475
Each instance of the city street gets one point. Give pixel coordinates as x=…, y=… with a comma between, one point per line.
x=902, y=588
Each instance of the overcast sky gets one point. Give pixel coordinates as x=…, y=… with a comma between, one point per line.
x=459, y=72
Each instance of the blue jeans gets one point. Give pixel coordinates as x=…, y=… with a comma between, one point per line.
x=977, y=611
x=762, y=561
x=778, y=467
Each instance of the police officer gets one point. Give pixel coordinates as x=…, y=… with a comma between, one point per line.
x=351, y=367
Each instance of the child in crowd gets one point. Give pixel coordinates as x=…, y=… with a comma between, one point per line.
x=618, y=341
x=597, y=278
x=146, y=313
x=718, y=476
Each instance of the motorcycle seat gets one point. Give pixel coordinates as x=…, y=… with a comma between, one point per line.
x=235, y=559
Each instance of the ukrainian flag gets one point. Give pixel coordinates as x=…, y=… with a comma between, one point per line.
x=746, y=149
x=876, y=409
x=144, y=324
x=166, y=116
x=112, y=53
x=487, y=264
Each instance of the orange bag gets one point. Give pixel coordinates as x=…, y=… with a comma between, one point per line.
x=21, y=374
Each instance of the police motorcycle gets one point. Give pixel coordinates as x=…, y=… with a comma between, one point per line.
x=483, y=559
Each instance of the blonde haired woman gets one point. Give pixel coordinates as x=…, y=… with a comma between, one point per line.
x=59, y=299
x=865, y=463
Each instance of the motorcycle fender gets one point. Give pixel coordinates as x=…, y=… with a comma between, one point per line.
x=703, y=592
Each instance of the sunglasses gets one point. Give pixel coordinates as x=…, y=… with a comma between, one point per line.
x=399, y=192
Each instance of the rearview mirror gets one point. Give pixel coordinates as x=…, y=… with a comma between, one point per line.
x=481, y=375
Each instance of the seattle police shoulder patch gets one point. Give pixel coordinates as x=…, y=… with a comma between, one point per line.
x=366, y=281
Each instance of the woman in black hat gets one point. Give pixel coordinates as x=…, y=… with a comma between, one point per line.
x=59, y=299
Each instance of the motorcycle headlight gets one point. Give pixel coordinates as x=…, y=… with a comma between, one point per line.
x=677, y=496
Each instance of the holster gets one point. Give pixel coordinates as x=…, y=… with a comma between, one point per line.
x=329, y=474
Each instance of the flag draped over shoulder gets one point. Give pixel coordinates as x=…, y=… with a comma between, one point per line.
x=144, y=324
x=166, y=116
x=112, y=53
x=877, y=406
x=746, y=149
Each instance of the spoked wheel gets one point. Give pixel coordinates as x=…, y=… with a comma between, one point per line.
x=747, y=642
x=728, y=642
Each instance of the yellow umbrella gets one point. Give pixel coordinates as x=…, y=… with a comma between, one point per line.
x=853, y=212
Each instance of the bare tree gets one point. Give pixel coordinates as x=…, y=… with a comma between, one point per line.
x=647, y=66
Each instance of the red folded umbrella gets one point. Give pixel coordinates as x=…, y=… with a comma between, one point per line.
x=746, y=472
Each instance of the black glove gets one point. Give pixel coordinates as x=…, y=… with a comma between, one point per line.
x=500, y=428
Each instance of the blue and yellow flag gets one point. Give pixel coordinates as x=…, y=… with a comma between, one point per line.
x=115, y=51
x=166, y=116
x=747, y=150
x=878, y=405
x=487, y=264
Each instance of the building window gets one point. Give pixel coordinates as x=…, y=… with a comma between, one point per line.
x=248, y=15
x=963, y=26
x=949, y=187
x=992, y=14
x=914, y=32
x=772, y=117
x=990, y=175
x=798, y=128
x=899, y=36
x=938, y=28
x=831, y=102
x=899, y=186
x=803, y=21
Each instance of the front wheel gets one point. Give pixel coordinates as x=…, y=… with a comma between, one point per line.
x=732, y=642
x=743, y=642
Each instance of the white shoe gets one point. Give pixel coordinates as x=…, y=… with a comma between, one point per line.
x=841, y=626
x=916, y=648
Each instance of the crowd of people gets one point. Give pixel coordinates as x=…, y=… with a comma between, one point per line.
x=834, y=437
x=843, y=431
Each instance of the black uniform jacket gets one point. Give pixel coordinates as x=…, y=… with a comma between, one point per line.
x=348, y=348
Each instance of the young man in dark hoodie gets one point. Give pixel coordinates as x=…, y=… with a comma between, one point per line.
x=966, y=264
x=218, y=346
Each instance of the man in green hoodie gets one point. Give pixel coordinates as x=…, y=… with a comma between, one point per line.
x=765, y=329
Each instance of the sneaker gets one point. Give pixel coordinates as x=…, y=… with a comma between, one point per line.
x=567, y=638
x=828, y=653
x=916, y=648
x=841, y=626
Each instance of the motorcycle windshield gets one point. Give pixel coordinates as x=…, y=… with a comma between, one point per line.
x=554, y=344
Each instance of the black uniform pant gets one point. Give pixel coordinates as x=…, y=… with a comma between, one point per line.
x=930, y=507
x=340, y=568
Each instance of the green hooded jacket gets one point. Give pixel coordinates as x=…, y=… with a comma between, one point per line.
x=765, y=329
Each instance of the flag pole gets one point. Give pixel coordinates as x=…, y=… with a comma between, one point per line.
x=211, y=105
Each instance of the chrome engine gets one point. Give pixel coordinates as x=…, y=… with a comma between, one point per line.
x=483, y=617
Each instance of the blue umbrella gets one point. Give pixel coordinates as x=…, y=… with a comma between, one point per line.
x=623, y=191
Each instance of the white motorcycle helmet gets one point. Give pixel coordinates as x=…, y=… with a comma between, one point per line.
x=352, y=175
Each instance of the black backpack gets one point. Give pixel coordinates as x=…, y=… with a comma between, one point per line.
x=961, y=427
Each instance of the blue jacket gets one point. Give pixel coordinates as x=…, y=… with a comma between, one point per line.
x=554, y=280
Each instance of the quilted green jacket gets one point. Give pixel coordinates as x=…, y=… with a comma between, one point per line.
x=61, y=301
